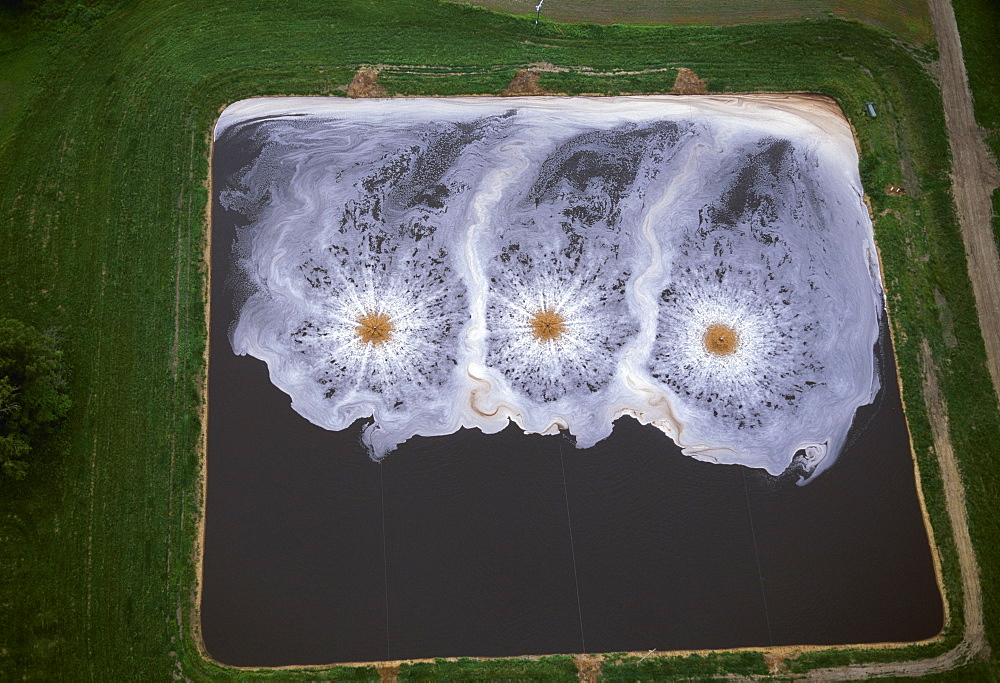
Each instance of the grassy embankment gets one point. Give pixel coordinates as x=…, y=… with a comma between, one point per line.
x=978, y=23
x=102, y=201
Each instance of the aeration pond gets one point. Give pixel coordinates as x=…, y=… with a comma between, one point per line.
x=514, y=376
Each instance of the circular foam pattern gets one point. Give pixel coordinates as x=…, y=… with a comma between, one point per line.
x=767, y=304
x=704, y=264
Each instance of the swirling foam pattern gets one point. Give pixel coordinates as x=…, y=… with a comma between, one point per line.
x=704, y=264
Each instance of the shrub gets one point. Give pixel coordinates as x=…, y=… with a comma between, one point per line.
x=32, y=394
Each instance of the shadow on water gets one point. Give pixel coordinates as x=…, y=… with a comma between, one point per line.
x=515, y=544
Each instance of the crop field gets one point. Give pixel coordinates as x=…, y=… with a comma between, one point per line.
x=907, y=19
x=104, y=144
x=977, y=22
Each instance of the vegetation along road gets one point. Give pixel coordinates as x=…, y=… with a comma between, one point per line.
x=974, y=178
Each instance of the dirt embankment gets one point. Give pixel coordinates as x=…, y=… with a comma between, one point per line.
x=688, y=83
x=365, y=84
x=525, y=82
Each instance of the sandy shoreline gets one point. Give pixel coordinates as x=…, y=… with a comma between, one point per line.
x=199, y=549
x=822, y=111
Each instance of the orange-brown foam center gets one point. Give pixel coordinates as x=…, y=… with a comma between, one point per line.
x=374, y=328
x=721, y=340
x=547, y=325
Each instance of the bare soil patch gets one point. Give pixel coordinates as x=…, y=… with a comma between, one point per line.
x=775, y=662
x=688, y=83
x=388, y=672
x=365, y=84
x=589, y=667
x=525, y=82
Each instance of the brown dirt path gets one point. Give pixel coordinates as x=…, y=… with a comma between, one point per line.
x=525, y=82
x=974, y=177
x=365, y=84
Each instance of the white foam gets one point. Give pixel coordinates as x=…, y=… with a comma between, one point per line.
x=638, y=221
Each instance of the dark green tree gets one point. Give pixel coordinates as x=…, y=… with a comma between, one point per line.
x=33, y=398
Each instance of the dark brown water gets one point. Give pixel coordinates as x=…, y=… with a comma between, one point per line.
x=516, y=544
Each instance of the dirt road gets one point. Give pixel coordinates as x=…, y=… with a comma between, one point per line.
x=974, y=177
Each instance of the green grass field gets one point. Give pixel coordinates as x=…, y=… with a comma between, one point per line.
x=103, y=151
x=907, y=19
x=977, y=22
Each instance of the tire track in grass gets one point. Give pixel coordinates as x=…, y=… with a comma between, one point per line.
x=176, y=362
x=89, y=574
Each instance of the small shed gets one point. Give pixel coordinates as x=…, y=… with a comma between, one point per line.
x=870, y=108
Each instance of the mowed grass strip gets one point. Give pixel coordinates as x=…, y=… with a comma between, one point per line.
x=102, y=203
